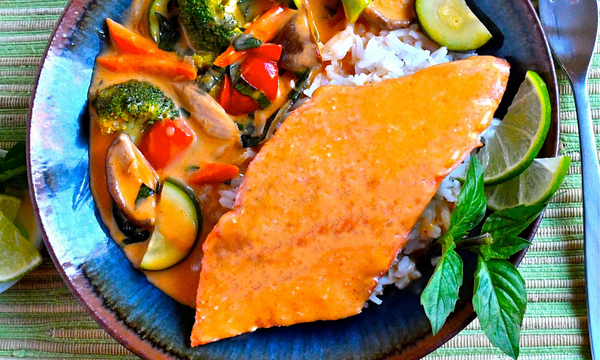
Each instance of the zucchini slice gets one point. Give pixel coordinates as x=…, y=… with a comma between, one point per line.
x=452, y=24
x=161, y=7
x=178, y=225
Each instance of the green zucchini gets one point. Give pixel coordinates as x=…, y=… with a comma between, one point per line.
x=178, y=225
x=452, y=24
x=354, y=8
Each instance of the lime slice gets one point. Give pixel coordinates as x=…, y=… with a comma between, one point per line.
x=535, y=185
x=17, y=255
x=520, y=135
x=9, y=205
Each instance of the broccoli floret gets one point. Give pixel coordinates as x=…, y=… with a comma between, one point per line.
x=207, y=24
x=129, y=105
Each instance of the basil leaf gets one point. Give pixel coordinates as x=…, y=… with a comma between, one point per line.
x=504, y=247
x=441, y=293
x=169, y=34
x=471, y=202
x=245, y=42
x=512, y=221
x=499, y=299
x=17, y=150
x=144, y=192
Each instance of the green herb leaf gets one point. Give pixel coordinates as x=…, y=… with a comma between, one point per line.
x=512, y=221
x=169, y=34
x=17, y=150
x=499, y=299
x=441, y=293
x=471, y=202
x=245, y=42
x=504, y=247
x=144, y=192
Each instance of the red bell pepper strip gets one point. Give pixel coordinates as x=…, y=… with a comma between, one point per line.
x=262, y=74
x=264, y=28
x=166, y=140
x=268, y=51
x=213, y=173
x=234, y=102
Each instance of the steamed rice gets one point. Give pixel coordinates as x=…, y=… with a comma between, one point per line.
x=374, y=58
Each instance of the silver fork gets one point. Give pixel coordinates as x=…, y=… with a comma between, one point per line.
x=571, y=27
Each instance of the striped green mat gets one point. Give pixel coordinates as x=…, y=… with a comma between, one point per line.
x=40, y=319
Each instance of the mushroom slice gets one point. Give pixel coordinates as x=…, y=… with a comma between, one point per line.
x=391, y=14
x=300, y=50
x=132, y=182
x=208, y=114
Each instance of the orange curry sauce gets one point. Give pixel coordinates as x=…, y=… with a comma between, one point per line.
x=329, y=201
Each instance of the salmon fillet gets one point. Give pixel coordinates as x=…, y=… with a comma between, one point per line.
x=328, y=202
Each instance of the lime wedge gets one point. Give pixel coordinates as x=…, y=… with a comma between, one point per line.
x=17, y=255
x=535, y=185
x=520, y=135
x=9, y=205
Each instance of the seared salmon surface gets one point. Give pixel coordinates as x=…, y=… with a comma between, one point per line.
x=330, y=200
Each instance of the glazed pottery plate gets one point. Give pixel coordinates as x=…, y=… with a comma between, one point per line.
x=143, y=318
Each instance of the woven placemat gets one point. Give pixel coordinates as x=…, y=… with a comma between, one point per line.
x=40, y=319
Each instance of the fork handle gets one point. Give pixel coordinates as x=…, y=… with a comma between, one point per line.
x=591, y=211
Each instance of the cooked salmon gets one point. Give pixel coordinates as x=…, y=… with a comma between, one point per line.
x=327, y=203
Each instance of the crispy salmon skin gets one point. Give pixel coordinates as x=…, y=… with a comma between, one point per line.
x=327, y=203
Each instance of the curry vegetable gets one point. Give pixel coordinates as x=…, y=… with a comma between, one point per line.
x=207, y=24
x=128, y=106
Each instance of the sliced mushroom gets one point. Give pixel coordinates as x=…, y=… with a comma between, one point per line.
x=208, y=114
x=132, y=182
x=300, y=50
x=391, y=14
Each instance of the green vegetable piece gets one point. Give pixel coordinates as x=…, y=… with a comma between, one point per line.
x=128, y=106
x=156, y=9
x=452, y=24
x=471, y=203
x=504, y=226
x=354, y=8
x=500, y=299
x=238, y=82
x=245, y=42
x=277, y=117
x=178, y=224
x=441, y=293
x=144, y=192
x=211, y=78
x=207, y=25
x=169, y=34
x=203, y=62
x=292, y=4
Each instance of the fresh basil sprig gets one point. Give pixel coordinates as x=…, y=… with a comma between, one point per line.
x=470, y=204
x=499, y=299
x=499, y=296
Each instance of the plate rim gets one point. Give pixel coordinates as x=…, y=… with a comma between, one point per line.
x=94, y=303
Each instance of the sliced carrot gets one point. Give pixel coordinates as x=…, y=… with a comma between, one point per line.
x=173, y=70
x=213, y=173
x=264, y=28
x=128, y=42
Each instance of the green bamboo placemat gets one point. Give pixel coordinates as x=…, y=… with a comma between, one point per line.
x=40, y=319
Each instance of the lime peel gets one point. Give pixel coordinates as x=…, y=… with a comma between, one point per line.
x=17, y=255
x=535, y=185
x=521, y=134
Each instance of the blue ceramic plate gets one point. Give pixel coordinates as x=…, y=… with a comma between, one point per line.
x=139, y=315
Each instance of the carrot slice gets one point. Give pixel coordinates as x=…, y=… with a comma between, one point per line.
x=213, y=173
x=264, y=28
x=173, y=70
x=128, y=42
